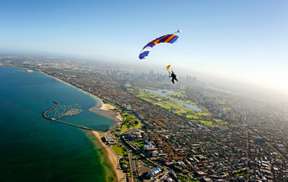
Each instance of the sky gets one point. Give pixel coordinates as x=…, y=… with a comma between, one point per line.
x=244, y=40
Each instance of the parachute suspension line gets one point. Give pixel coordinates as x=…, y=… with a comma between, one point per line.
x=178, y=31
x=169, y=69
x=168, y=38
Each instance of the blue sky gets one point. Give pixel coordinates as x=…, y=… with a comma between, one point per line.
x=244, y=39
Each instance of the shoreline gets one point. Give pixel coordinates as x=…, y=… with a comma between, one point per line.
x=99, y=100
x=100, y=107
x=106, y=110
x=112, y=158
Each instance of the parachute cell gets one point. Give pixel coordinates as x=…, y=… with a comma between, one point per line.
x=143, y=54
x=169, y=38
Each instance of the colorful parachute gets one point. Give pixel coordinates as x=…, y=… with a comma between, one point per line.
x=169, y=38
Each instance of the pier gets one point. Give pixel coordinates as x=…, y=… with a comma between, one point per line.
x=45, y=115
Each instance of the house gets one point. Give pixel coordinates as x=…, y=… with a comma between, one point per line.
x=153, y=172
x=109, y=140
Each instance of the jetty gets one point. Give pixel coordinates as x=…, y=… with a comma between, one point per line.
x=45, y=115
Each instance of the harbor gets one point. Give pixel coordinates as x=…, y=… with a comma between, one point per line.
x=45, y=115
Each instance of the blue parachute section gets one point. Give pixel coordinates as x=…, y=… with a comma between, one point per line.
x=143, y=54
x=169, y=38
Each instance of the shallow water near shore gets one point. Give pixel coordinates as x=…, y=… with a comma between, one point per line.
x=34, y=149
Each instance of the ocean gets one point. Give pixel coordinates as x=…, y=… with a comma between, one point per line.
x=34, y=149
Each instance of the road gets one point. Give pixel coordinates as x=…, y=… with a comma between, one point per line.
x=131, y=166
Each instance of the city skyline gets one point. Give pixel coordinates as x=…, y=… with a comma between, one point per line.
x=242, y=40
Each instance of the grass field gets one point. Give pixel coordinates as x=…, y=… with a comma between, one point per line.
x=119, y=150
x=175, y=103
x=129, y=121
x=138, y=144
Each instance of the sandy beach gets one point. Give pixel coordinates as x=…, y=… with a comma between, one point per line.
x=107, y=110
x=112, y=157
x=110, y=111
x=100, y=108
x=109, y=107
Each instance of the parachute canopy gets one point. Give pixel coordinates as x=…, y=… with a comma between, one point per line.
x=169, y=68
x=169, y=38
x=143, y=54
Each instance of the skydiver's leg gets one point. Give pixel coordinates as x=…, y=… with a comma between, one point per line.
x=173, y=80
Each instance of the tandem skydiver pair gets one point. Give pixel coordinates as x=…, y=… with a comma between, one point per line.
x=169, y=38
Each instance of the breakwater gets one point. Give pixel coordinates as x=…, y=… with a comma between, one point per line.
x=56, y=104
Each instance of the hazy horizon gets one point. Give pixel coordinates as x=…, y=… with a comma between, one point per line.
x=238, y=40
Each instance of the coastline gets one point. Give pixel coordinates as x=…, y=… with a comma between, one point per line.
x=112, y=158
x=99, y=100
x=100, y=108
x=112, y=109
x=106, y=110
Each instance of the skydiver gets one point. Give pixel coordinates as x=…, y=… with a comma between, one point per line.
x=173, y=77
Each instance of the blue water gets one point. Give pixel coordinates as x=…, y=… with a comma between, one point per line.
x=34, y=149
